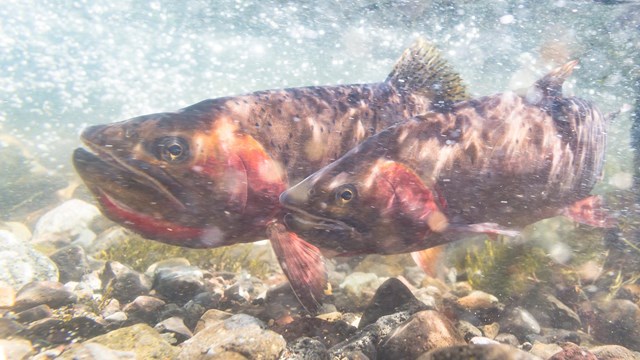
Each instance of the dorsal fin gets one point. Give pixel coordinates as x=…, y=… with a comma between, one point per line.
x=551, y=84
x=422, y=70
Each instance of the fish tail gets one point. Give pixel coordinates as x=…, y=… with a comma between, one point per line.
x=421, y=69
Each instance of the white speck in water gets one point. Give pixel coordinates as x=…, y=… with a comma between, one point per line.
x=507, y=19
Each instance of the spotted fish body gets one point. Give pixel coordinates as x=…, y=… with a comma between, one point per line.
x=210, y=174
x=488, y=165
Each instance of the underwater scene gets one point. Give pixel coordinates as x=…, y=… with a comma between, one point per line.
x=357, y=179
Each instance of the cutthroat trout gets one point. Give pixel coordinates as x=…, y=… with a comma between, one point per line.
x=209, y=175
x=488, y=165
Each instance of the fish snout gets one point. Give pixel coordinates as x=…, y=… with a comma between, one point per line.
x=108, y=135
x=296, y=196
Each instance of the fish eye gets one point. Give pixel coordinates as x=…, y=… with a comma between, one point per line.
x=345, y=194
x=172, y=149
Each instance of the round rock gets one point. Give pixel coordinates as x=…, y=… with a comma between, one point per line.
x=179, y=284
x=53, y=294
x=21, y=264
x=72, y=263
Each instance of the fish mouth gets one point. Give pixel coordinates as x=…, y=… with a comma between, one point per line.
x=312, y=226
x=132, y=197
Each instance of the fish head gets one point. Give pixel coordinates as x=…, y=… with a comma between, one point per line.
x=183, y=178
x=356, y=207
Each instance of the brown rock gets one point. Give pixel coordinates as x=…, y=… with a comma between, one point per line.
x=571, y=351
x=423, y=331
x=43, y=292
x=328, y=332
x=391, y=297
x=478, y=352
x=618, y=322
x=145, y=308
x=7, y=296
x=614, y=352
x=15, y=349
x=211, y=318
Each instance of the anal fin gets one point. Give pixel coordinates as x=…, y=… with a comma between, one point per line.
x=590, y=211
x=491, y=229
x=303, y=265
x=428, y=259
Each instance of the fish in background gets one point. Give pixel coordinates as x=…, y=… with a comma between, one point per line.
x=210, y=175
x=488, y=165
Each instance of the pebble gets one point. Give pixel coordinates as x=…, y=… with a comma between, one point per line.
x=611, y=352
x=545, y=351
x=145, y=308
x=571, y=351
x=9, y=327
x=366, y=340
x=62, y=331
x=467, y=330
x=481, y=340
x=37, y=293
x=117, y=317
x=20, y=264
x=139, y=339
x=16, y=349
x=506, y=338
x=491, y=330
x=66, y=223
x=478, y=352
x=178, y=284
x=520, y=322
x=479, y=307
x=174, y=325
x=237, y=337
x=72, y=263
x=33, y=314
x=124, y=283
x=618, y=322
x=328, y=332
x=94, y=351
x=305, y=348
x=391, y=297
x=210, y=318
x=424, y=331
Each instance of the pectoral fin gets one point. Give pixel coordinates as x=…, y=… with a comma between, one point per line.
x=303, y=265
x=590, y=211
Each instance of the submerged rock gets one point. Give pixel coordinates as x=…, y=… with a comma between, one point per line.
x=520, y=322
x=66, y=223
x=144, y=308
x=424, y=331
x=178, y=284
x=305, y=348
x=139, y=339
x=16, y=349
x=391, y=297
x=72, y=263
x=240, y=336
x=124, y=283
x=618, y=322
x=53, y=294
x=360, y=287
x=174, y=325
x=94, y=351
x=611, y=352
x=571, y=351
x=21, y=264
x=478, y=352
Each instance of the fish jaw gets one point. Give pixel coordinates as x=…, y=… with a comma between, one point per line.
x=393, y=211
x=219, y=187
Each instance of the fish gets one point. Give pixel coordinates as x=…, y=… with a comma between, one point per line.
x=210, y=174
x=489, y=165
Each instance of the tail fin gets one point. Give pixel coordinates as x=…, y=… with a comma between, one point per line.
x=551, y=84
x=422, y=70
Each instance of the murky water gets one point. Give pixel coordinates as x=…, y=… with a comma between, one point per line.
x=67, y=65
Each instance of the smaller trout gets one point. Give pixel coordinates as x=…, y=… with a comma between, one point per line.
x=489, y=165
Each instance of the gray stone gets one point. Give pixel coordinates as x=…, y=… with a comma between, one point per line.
x=481, y=340
x=391, y=297
x=16, y=349
x=9, y=327
x=37, y=293
x=20, y=264
x=238, y=337
x=367, y=340
x=506, y=338
x=72, y=263
x=520, y=322
x=478, y=352
x=174, y=325
x=424, y=331
x=359, y=288
x=467, y=330
x=545, y=351
x=33, y=314
x=117, y=317
x=66, y=223
x=123, y=283
x=144, y=308
x=178, y=284
x=571, y=351
x=305, y=348
x=61, y=331
x=7, y=296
